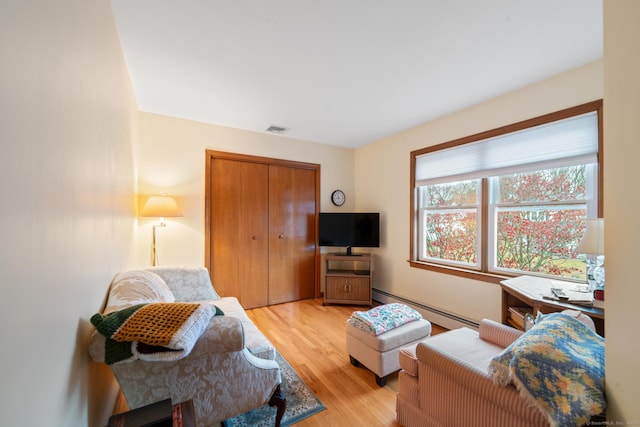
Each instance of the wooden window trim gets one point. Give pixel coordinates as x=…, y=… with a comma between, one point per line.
x=484, y=274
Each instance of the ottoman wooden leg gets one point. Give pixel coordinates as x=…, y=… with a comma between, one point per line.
x=381, y=381
x=353, y=361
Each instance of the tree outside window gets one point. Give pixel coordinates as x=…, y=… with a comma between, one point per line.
x=450, y=220
x=540, y=218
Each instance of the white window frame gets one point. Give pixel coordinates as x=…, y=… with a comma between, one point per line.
x=424, y=210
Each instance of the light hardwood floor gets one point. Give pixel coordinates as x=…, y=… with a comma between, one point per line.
x=312, y=337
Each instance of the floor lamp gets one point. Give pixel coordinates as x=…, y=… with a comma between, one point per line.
x=159, y=207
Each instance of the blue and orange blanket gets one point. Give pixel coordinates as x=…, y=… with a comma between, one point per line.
x=558, y=366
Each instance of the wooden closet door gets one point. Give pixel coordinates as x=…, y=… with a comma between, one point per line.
x=239, y=230
x=292, y=247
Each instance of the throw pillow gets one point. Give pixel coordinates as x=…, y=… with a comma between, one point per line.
x=137, y=287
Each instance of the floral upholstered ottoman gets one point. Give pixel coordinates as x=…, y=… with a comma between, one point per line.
x=375, y=337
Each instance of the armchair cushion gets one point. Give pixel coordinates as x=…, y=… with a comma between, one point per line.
x=156, y=331
x=558, y=366
x=137, y=287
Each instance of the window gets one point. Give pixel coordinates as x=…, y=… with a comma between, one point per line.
x=449, y=220
x=510, y=201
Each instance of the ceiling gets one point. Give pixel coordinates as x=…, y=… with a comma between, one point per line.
x=345, y=72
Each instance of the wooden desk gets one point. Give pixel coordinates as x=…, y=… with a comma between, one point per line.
x=529, y=292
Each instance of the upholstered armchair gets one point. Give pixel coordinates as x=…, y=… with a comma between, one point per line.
x=229, y=370
x=448, y=379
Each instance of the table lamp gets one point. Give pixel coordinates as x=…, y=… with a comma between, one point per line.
x=592, y=244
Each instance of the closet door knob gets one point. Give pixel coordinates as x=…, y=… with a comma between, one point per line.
x=280, y=236
x=254, y=237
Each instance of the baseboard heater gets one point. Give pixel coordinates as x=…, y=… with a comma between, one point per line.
x=432, y=314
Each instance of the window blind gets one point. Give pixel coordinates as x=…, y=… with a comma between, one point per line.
x=572, y=141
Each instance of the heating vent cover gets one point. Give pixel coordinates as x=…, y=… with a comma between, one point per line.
x=277, y=129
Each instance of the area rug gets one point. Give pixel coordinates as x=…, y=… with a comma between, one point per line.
x=301, y=402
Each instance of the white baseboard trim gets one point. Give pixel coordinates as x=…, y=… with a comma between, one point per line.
x=432, y=314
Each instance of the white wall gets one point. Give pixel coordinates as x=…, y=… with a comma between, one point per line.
x=621, y=207
x=66, y=217
x=172, y=160
x=389, y=192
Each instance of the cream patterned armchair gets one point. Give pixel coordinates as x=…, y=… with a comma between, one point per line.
x=230, y=367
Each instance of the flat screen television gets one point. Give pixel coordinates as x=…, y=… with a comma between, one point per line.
x=355, y=229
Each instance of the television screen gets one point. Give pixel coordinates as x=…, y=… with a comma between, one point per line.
x=361, y=230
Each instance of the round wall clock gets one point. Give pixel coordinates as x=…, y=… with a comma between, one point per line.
x=338, y=198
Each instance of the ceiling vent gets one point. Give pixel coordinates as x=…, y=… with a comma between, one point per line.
x=277, y=129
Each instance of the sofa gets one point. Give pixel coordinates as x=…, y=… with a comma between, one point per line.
x=465, y=377
x=215, y=356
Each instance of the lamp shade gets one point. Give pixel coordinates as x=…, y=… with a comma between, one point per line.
x=160, y=207
x=592, y=242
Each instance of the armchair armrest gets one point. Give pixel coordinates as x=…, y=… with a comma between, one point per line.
x=224, y=334
x=497, y=333
x=221, y=385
